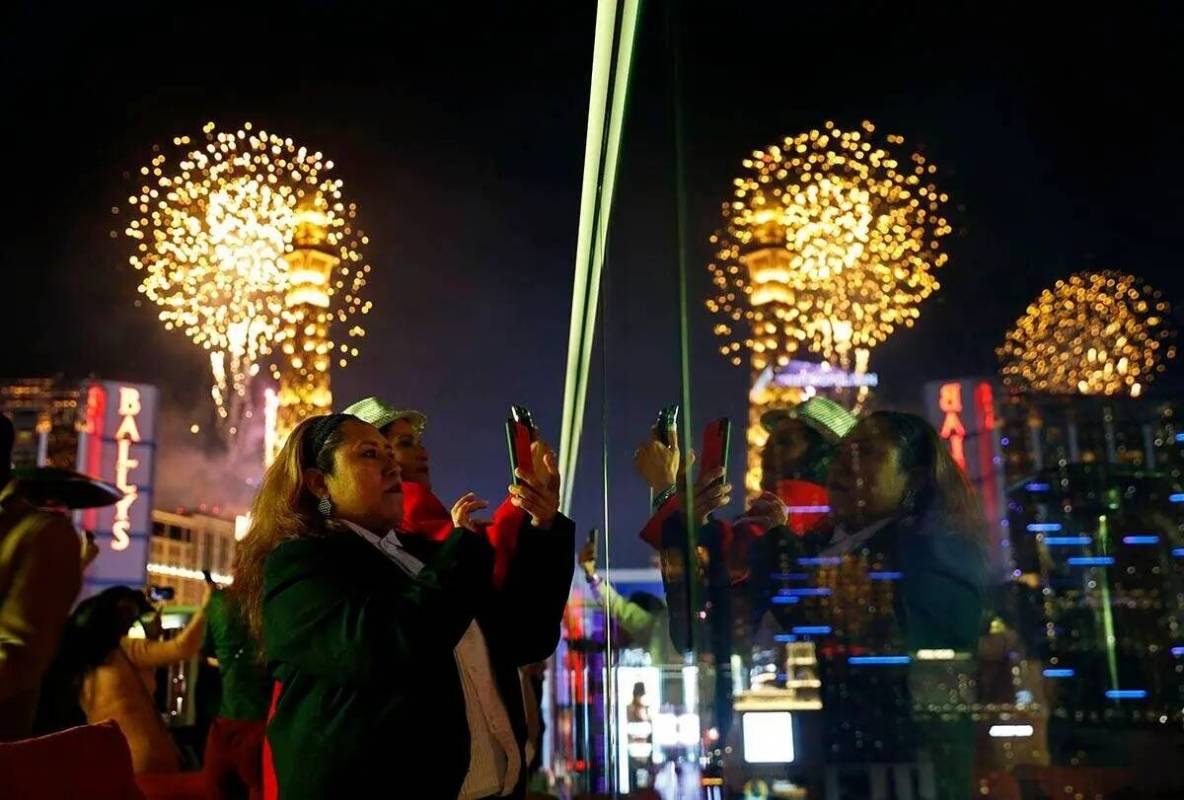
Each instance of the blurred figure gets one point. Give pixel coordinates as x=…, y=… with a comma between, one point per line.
x=901, y=508
x=101, y=673
x=398, y=663
x=643, y=617
x=233, y=763
x=797, y=456
x=40, y=577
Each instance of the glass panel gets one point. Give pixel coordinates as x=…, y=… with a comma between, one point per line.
x=950, y=561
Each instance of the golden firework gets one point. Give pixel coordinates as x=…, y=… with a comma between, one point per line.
x=1094, y=333
x=829, y=244
x=215, y=224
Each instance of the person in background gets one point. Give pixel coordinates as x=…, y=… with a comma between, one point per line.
x=40, y=577
x=423, y=512
x=396, y=660
x=643, y=617
x=100, y=673
x=151, y=652
x=233, y=764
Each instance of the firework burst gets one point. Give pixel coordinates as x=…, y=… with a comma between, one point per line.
x=1102, y=333
x=212, y=223
x=829, y=244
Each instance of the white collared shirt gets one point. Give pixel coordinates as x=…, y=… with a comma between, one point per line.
x=494, y=760
x=842, y=543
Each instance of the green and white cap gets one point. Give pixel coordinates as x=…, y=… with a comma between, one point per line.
x=826, y=417
x=379, y=413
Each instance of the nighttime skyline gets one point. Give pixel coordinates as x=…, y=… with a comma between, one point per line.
x=300, y=293
x=462, y=145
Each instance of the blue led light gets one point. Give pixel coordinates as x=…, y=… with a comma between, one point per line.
x=784, y=637
x=1066, y=541
x=1150, y=539
x=1038, y=487
x=809, y=630
x=1126, y=694
x=820, y=561
x=1059, y=673
x=1178, y=651
x=1180, y=437
x=782, y=600
x=789, y=576
x=857, y=660
x=808, y=509
x=1176, y=498
x=1044, y=527
x=885, y=576
x=806, y=591
x=1091, y=561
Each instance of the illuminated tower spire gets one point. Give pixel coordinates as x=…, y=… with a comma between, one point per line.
x=304, y=366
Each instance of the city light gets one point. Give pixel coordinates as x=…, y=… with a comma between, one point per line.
x=1011, y=731
x=215, y=222
x=1102, y=333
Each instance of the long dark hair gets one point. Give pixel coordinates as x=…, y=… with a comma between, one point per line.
x=89, y=636
x=283, y=509
x=938, y=491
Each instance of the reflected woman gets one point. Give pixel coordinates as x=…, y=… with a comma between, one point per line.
x=392, y=653
x=906, y=531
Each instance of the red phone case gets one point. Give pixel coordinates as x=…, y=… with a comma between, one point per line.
x=715, y=445
x=520, y=439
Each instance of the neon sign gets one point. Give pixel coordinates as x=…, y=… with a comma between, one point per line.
x=950, y=402
x=129, y=409
x=116, y=444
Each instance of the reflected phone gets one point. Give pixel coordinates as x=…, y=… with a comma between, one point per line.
x=717, y=439
x=663, y=428
x=520, y=433
x=593, y=540
x=161, y=593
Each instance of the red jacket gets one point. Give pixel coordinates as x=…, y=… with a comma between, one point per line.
x=424, y=514
x=807, y=504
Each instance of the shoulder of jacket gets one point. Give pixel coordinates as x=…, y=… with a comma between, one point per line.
x=45, y=528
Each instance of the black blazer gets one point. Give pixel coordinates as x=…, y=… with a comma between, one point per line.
x=372, y=701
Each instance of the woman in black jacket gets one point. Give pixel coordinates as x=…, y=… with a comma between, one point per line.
x=398, y=663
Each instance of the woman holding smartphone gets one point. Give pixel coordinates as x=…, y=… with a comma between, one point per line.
x=392, y=651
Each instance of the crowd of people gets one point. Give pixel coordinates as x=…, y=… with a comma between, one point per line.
x=374, y=635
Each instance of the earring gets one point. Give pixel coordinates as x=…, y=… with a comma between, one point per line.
x=325, y=506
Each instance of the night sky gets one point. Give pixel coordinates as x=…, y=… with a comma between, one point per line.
x=459, y=130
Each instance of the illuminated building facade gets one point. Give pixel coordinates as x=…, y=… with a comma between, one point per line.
x=1091, y=606
x=183, y=545
x=44, y=412
x=306, y=351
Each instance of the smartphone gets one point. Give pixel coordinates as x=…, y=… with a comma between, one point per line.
x=593, y=540
x=664, y=425
x=161, y=593
x=717, y=439
x=520, y=433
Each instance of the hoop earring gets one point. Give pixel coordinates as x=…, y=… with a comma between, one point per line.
x=325, y=506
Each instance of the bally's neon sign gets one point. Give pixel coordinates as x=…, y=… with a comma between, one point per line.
x=127, y=434
x=949, y=402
